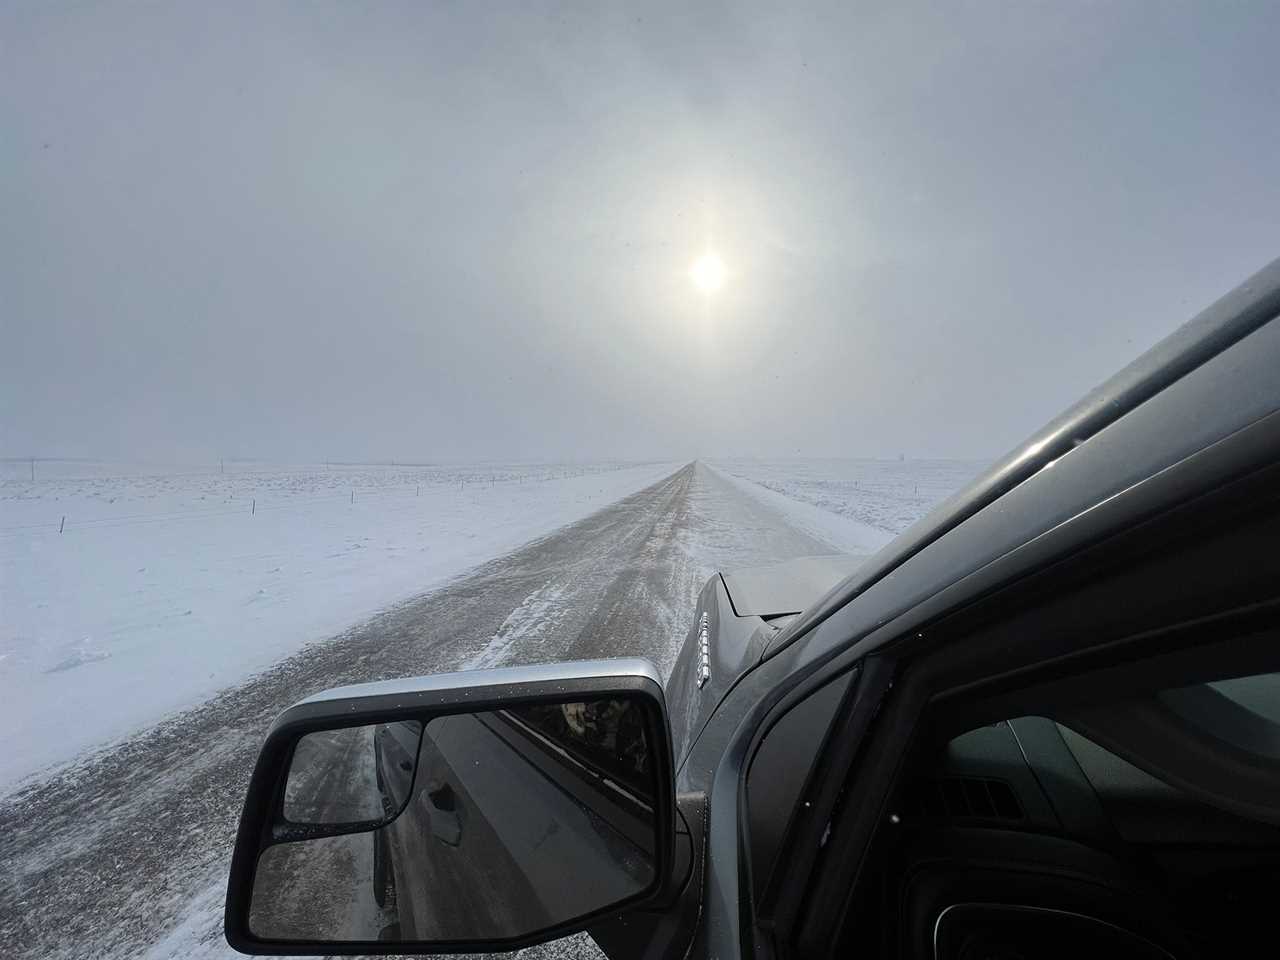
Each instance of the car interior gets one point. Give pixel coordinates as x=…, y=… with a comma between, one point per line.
x=1087, y=828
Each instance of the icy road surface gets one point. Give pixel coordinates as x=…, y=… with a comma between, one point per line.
x=125, y=854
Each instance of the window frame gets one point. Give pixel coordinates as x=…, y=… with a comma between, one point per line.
x=976, y=651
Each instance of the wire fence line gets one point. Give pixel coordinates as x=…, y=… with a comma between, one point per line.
x=255, y=500
x=35, y=469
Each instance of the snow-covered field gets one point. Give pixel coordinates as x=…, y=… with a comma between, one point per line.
x=886, y=496
x=166, y=583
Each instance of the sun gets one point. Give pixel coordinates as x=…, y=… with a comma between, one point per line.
x=708, y=272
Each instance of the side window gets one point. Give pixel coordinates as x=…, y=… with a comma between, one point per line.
x=1260, y=694
x=1149, y=824
x=1218, y=869
x=781, y=767
x=1220, y=741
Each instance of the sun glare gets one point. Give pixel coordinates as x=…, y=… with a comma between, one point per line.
x=708, y=273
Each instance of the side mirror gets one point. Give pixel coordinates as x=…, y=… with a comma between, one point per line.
x=469, y=812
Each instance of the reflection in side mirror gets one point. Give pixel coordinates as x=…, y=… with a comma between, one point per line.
x=487, y=826
x=353, y=775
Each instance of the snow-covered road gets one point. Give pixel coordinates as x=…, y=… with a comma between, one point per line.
x=126, y=854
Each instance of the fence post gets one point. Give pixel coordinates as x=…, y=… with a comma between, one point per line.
x=63, y=523
x=253, y=508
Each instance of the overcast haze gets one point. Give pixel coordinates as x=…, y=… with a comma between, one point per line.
x=428, y=231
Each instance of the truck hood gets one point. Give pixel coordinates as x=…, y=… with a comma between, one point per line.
x=737, y=614
x=789, y=587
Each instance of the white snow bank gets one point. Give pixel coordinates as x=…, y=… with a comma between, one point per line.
x=845, y=535
x=163, y=588
x=854, y=504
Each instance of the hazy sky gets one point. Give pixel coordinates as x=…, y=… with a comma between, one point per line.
x=424, y=230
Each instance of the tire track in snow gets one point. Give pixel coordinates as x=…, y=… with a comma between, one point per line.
x=538, y=615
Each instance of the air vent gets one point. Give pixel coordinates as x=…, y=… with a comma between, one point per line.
x=951, y=798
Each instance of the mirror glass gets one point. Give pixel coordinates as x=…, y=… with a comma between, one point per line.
x=494, y=825
x=352, y=775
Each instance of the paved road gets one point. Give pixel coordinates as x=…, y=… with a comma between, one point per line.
x=126, y=855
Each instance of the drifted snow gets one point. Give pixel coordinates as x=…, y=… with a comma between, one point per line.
x=876, y=499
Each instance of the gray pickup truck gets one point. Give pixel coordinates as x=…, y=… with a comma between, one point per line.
x=1045, y=721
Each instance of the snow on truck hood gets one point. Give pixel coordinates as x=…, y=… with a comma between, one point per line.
x=789, y=587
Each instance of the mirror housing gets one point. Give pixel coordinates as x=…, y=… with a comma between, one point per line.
x=472, y=700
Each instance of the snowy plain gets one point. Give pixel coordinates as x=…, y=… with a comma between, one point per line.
x=167, y=583
x=131, y=591
x=333, y=573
